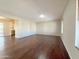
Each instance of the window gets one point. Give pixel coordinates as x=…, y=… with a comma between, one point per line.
x=61, y=27
x=1, y=29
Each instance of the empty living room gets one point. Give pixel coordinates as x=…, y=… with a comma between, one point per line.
x=39, y=29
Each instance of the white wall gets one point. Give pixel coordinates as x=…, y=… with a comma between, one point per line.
x=49, y=28
x=69, y=29
x=24, y=28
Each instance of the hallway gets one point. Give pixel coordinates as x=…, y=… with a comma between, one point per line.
x=33, y=47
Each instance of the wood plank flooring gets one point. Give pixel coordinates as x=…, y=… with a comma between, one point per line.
x=33, y=47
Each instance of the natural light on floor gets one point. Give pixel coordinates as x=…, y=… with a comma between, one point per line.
x=1, y=43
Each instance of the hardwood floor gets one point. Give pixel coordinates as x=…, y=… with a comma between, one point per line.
x=33, y=47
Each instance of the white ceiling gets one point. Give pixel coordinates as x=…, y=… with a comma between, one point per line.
x=32, y=9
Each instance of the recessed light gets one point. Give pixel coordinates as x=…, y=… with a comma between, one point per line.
x=42, y=16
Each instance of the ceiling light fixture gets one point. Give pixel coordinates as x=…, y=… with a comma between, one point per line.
x=42, y=16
